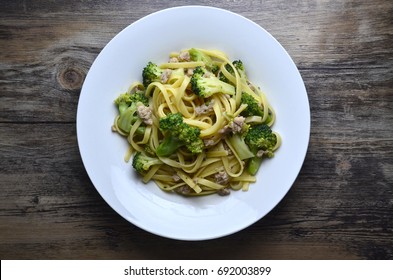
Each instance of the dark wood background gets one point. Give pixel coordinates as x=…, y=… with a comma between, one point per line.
x=341, y=205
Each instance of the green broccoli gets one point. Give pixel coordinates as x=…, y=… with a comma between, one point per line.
x=259, y=138
x=178, y=134
x=240, y=69
x=253, y=107
x=127, y=105
x=205, y=85
x=197, y=55
x=142, y=162
x=151, y=73
x=149, y=151
x=139, y=96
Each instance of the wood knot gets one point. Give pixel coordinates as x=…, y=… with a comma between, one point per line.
x=35, y=200
x=70, y=77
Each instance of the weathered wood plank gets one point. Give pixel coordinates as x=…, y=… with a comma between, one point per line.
x=51, y=203
x=47, y=74
x=53, y=93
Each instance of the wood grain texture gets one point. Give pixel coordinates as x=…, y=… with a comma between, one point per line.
x=341, y=205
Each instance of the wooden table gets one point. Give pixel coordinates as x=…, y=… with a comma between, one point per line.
x=341, y=205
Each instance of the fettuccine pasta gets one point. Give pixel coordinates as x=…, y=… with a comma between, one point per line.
x=204, y=104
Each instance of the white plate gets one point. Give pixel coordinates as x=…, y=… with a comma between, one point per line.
x=121, y=62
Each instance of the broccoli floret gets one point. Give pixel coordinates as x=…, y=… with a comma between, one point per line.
x=123, y=101
x=142, y=162
x=215, y=69
x=259, y=138
x=178, y=134
x=171, y=121
x=127, y=105
x=149, y=151
x=139, y=96
x=253, y=107
x=205, y=84
x=197, y=55
x=240, y=69
x=151, y=73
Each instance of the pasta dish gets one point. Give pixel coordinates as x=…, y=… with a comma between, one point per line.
x=196, y=125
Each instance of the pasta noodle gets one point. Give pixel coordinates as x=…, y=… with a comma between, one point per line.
x=221, y=120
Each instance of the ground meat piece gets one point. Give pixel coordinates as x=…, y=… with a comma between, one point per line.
x=224, y=191
x=189, y=72
x=203, y=109
x=184, y=190
x=225, y=130
x=144, y=113
x=237, y=124
x=200, y=110
x=165, y=75
x=221, y=177
x=173, y=60
x=260, y=153
x=184, y=56
x=176, y=178
x=208, y=142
